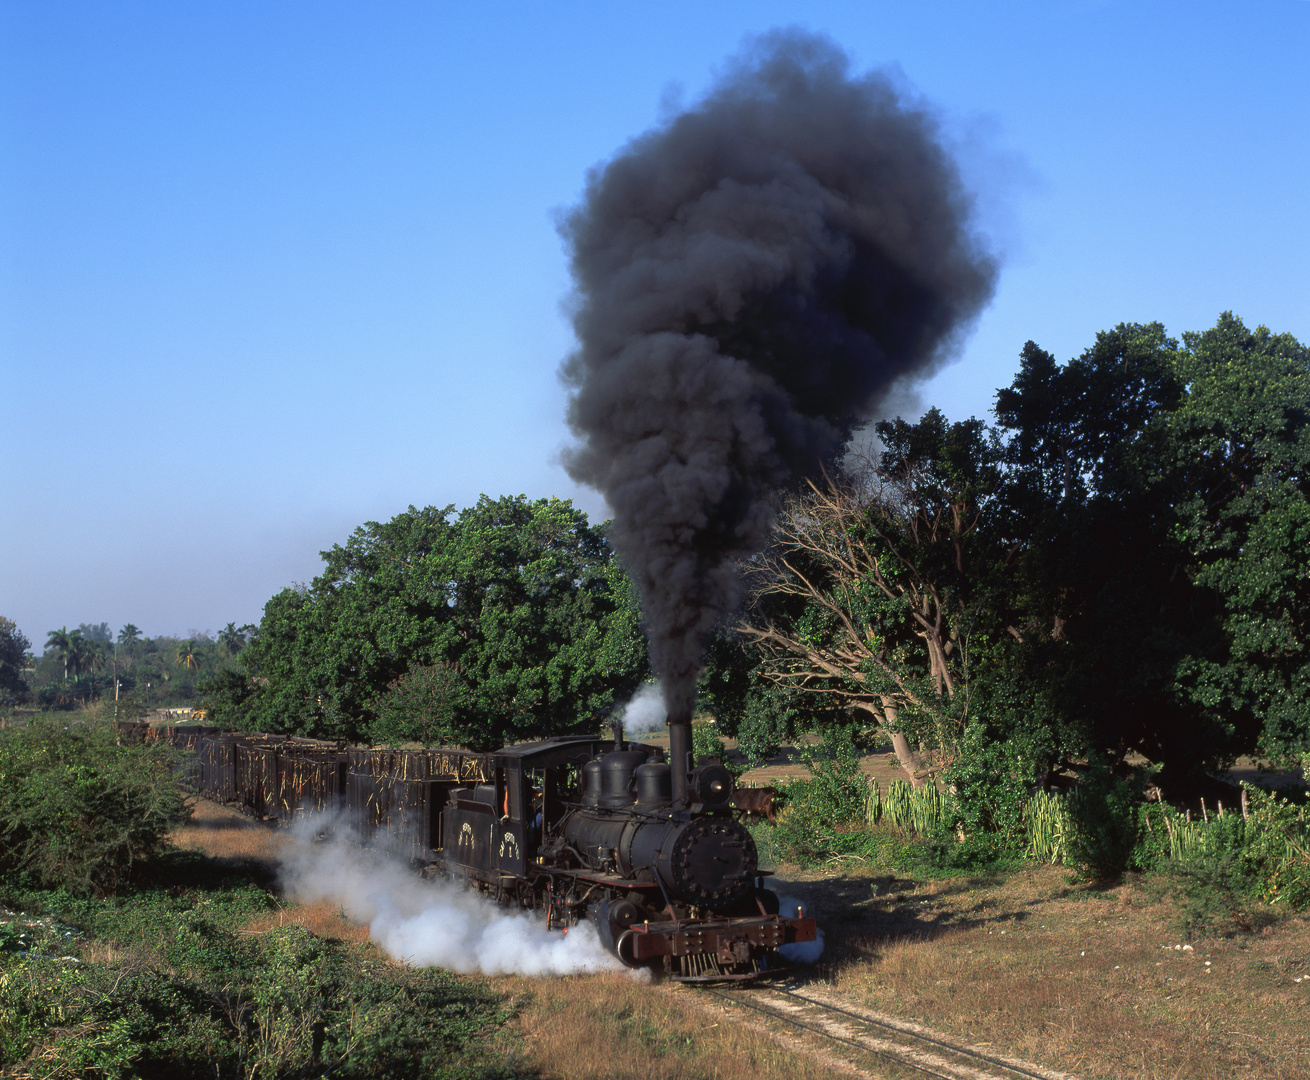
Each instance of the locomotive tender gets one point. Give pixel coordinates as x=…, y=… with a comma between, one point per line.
x=576, y=827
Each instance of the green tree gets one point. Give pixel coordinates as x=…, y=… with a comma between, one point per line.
x=62, y=641
x=523, y=598
x=1119, y=567
x=871, y=594
x=1105, y=605
x=13, y=657
x=1157, y=498
x=421, y=706
x=129, y=635
x=232, y=640
x=187, y=655
x=1240, y=442
x=98, y=633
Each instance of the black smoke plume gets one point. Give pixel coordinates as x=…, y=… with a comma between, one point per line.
x=752, y=277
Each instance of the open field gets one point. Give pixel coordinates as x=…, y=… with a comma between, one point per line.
x=1095, y=981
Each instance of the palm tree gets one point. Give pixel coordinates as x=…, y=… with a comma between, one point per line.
x=60, y=641
x=75, y=652
x=92, y=657
x=129, y=634
x=188, y=655
x=232, y=639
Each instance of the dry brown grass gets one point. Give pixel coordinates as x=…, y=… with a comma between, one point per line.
x=323, y=921
x=224, y=834
x=599, y=1027
x=1079, y=979
x=128, y=957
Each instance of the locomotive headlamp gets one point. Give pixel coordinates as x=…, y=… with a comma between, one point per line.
x=712, y=785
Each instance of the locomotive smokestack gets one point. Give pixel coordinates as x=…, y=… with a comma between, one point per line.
x=680, y=757
x=752, y=278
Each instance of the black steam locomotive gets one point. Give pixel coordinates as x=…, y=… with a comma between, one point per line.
x=578, y=828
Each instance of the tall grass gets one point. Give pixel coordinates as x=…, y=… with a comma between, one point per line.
x=1048, y=824
x=915, y=811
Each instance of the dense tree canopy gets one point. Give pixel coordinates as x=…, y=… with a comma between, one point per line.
x=1241, y=444
x=78, y=666
x=506, y=621
x=1118, y=565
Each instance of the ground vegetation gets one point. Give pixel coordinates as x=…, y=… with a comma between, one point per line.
x=80, y=811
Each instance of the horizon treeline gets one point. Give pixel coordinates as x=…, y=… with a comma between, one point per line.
x=79, y=666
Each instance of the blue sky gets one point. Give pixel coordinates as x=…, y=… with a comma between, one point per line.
x=268, y=271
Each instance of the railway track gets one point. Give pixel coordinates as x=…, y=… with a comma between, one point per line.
x=866, y=1038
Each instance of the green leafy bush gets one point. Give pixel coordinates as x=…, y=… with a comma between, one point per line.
x=1277, y=849
x=831, y=800
x=1228, y=866
x=990, y=783
x=705, y=742
x=1104, y=809
x=77, y=810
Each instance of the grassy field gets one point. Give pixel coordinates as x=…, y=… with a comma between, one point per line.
x=1091, y=980
x=593, y=1027
x=1095, y=981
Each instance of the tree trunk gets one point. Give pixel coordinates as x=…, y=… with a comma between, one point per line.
x=910, y=760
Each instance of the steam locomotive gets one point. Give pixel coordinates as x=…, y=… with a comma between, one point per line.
x=647, y=849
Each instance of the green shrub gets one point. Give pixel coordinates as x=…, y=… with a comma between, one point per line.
x=1227, y=867
x=1103, y=808
x=1277, y=849
x=1217, y=884
x=989, y=783
x=77, y=810
x=831, y=800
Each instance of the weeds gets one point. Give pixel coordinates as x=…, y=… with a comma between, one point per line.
x=77, y=810
x=170, y=983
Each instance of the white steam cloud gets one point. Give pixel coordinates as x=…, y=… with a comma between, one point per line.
x=645, y=712
x=428, y=923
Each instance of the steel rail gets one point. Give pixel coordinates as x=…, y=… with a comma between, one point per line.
x=909, y=1037
x=954, y=1048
